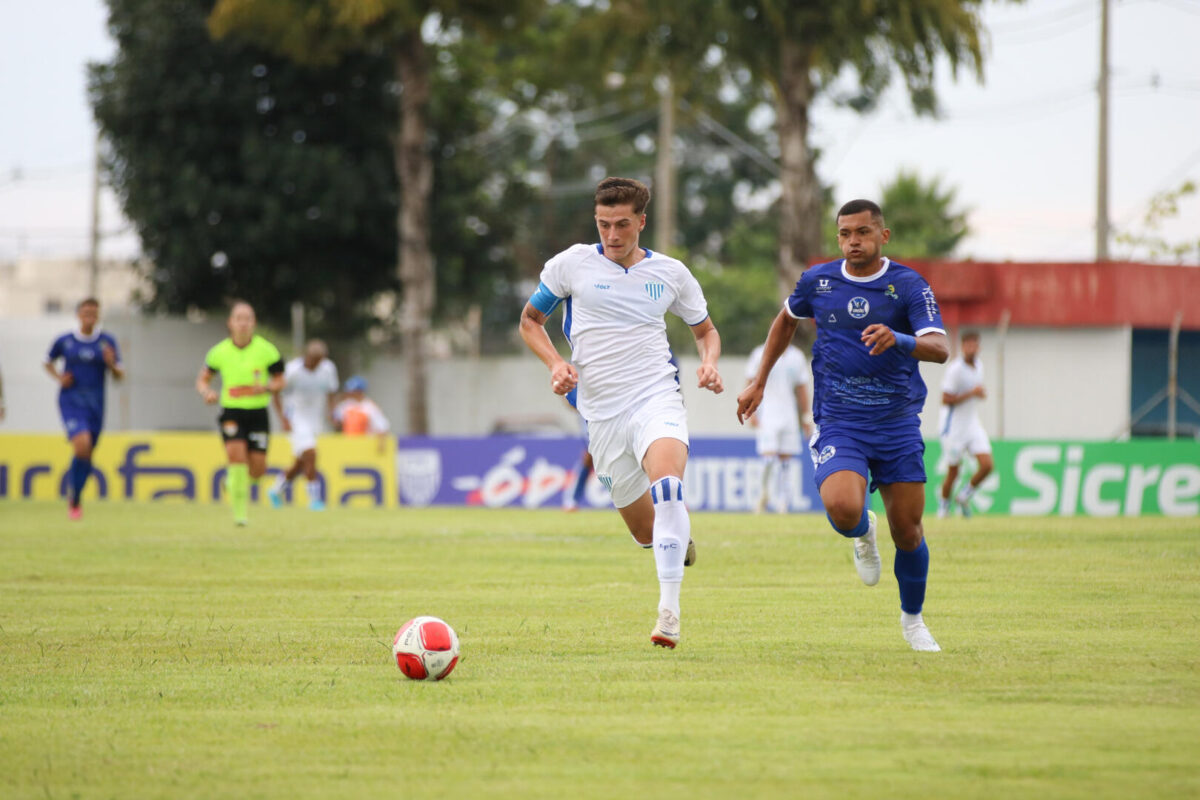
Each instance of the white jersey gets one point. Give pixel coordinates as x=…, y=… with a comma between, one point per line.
x=779, y=409
x=614, y=321
x=960, y=378
x=306, y=392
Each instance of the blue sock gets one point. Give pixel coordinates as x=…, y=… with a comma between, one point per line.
x=581, y=476
x=912, y=568
x=858, y=530
x=80, y=469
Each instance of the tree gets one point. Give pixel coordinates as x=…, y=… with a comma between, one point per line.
x=245, y=175
x=921, y=216
x=1150, y=243
x=801, y=47
x=327, y=31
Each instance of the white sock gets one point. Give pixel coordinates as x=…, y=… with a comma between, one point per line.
x=281, y=482
x=314, y=491
x=672, y=530
x=966, y=493
x=909, y=620
x=944, y=502
x=767, y=483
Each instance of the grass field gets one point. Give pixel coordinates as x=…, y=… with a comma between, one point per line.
x=156, y=651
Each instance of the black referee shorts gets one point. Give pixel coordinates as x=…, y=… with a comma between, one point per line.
x=252, y=425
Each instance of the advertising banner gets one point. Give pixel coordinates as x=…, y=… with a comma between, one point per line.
x=1096, y=479
x=1100, y=479
x=530, y=472
x=357, y=471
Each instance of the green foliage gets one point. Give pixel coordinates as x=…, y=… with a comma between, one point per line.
x=1150, y=243
x=922, y=217
x=247, y=176
x=155, y=651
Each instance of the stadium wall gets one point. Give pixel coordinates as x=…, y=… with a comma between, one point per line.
x=1054, y=382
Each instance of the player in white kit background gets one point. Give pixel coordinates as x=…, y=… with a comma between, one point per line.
x=305, y=406
x=783, y=416
x=615, y=295
x=961, y=431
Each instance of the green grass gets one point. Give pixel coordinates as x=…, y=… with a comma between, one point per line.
x=156, y=651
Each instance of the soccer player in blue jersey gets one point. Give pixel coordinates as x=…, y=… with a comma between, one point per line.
x=875, y=320
x=88, y=354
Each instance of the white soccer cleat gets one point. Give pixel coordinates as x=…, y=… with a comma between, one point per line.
x=866, y=554
x=964, y=505
x=917, y=635
x=943, y=509
x=666, y=632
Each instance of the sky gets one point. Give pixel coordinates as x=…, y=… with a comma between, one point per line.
x=1020, y=149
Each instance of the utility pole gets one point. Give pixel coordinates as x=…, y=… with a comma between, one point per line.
x=664, y=168
x=94, y=250
x=1102, y=148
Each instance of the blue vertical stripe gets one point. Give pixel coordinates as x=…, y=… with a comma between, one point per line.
x=567, y=323
x=653, y=495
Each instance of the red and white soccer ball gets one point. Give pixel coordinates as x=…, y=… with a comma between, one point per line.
x=426, y=649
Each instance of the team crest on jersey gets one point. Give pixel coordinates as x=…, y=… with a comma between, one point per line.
x=827, y=452
x=655, y=290
x=858, y=307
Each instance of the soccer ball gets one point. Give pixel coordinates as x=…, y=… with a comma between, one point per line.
x=426, y=649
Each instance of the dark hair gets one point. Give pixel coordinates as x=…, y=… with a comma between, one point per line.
x=87, y=301
x=622, y=191
x=859, y=206
x=970, y=335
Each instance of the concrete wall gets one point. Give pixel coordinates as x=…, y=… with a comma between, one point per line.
x=1055, y=383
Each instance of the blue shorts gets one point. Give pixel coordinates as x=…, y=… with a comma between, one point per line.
x=78, y=418
x=881, y=457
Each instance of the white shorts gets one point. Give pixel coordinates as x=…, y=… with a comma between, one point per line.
x=304, y=434
x=618, y=445
x=973, y=440
x=783, y=440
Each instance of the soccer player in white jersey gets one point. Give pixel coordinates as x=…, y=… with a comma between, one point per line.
x=784, y=411
x=961, y=430
x=616, y=294
x=312, y=381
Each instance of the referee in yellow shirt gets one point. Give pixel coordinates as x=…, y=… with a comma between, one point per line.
x=251, y=369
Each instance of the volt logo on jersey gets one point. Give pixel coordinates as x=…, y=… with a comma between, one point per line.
x=655, y=290
x=858, y=307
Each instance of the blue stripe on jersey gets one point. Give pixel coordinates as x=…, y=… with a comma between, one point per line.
x=544, y=300
x=949, y=416
x=567, y=322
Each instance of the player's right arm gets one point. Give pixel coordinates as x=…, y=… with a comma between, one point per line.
x=205, y=376
x=778, y=339
x=64, y=378
x=563, y=376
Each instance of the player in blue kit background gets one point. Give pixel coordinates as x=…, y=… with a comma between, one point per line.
x=88, y=355
x=875, y=321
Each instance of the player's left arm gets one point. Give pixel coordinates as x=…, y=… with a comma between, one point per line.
x=276, y=382
x=928, y=340
x=112, y=358
x=708, y=343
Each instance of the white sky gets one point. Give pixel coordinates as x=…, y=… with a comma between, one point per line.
x=1020, y=149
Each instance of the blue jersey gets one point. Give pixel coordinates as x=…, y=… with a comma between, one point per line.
x=850, y=385
x=82, y=357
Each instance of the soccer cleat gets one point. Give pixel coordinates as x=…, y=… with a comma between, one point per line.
x=761, y=506
x=964, y=504
x=943, y=509
x=74, y=513
x=275, y=497
x=917, y=635
x=241, y=522
x=866, y=554
x=666, y=632
x=689, y=558
x=316, y=505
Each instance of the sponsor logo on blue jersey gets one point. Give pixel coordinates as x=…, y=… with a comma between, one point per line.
x=858, y=307
x=823, y=286
x=655, y=290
